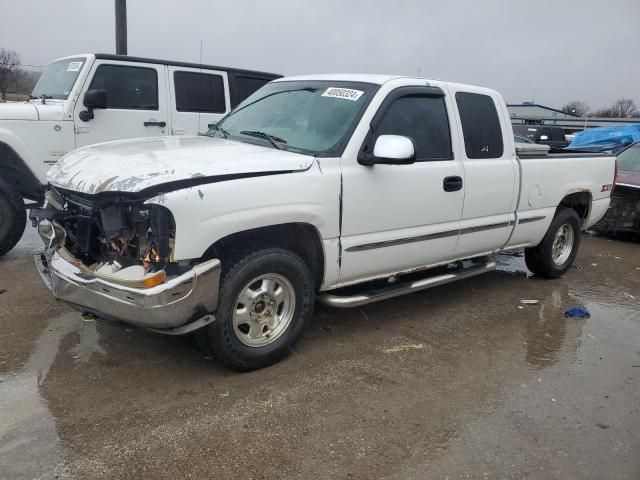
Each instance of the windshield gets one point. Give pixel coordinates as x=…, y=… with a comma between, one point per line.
x=58, y=78
x=312, y=117
x=629, y=160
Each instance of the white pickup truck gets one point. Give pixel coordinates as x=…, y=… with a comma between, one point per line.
x=86, y=99
x=349, y=188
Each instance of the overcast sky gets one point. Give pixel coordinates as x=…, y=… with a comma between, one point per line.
x=550, y=51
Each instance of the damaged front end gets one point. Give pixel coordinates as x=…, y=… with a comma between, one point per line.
x=112, y=255
x=624, y=212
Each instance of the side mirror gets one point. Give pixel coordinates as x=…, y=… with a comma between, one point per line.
x=391, y=150
x=93, y=99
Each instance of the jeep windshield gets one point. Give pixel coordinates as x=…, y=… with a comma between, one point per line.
x=58, y=79
x=310, y=117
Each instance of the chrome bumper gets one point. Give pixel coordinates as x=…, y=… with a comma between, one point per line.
x=173, y=305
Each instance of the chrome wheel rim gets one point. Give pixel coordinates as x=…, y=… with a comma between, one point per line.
x=562, y=244
x=263, y=310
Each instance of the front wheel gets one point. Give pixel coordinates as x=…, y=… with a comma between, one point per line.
x=266, y=300
x=13, y=217
x=559, y=247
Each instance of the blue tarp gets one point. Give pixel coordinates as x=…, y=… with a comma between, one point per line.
x=607, y=138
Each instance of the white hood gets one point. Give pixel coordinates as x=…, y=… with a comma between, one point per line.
x=51, y=110
x=54, y=111
x=135, y=165
x=18, y=111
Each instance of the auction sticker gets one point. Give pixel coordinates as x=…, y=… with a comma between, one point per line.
x=74, y=66
x=344, y=93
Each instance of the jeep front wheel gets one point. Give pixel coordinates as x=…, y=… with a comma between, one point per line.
x=13, y=217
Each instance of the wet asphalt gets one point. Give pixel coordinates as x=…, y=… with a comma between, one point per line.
x=462, y=381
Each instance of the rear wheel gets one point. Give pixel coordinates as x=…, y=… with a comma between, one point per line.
x=559, y=247
x=266, y=300
x=13, y=217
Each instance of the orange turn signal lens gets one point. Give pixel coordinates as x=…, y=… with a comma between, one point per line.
x=153, y=280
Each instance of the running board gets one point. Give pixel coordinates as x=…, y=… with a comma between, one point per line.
x=397, y=289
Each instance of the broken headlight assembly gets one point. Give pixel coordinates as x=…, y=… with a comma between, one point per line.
x=112, y=236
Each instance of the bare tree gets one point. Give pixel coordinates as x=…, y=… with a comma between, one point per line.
x=24, y=81
x=576, y=107
x=624, y=108
x=9, y=63
x=603, y=113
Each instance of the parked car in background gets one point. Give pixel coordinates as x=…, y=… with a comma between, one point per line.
x=357, y=188
x=624, y=213
x=521, y=139
x=93, y=98
x=543, y=134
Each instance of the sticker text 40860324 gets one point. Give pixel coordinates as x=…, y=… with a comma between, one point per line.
x=343, y=93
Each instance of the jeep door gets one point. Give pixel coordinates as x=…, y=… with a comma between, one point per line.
x=136, y=102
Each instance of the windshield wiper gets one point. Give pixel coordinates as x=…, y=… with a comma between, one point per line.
x=42, y=97
x=218, y=128
x=271, y=138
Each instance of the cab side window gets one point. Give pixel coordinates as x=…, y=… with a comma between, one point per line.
x=130, y=88
x=480, y=125
x=423, y=118
x=199, y=92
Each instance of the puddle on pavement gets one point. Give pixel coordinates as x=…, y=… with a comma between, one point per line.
x=29, y=442
x=512, y=262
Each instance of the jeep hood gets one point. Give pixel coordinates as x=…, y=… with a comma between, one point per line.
x=18, y=111
x=136, y=165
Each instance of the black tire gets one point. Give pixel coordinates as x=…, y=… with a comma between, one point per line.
x=220, y=338
x=13, y=217
x=540, y=260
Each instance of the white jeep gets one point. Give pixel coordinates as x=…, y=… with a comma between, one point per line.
x=87, y=99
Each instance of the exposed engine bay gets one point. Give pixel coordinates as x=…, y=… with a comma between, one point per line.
x=112, y=234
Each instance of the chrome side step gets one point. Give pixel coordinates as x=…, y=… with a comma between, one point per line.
x=397, y=289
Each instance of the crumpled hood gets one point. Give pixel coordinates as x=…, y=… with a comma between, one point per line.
x=18, y=111
x=136, y=165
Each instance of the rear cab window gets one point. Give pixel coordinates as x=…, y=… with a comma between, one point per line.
x=481, y=126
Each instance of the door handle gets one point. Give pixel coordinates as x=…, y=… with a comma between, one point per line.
x=155, y=124
x=452, y=184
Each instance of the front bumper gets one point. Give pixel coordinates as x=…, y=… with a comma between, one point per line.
x=173, y=305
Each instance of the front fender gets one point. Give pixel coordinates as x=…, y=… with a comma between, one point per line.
x=207, y=213
x=18, y=164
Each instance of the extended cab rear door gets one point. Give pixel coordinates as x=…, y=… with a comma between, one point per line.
x=199, y=97
x=136, y=102
x=490, y=171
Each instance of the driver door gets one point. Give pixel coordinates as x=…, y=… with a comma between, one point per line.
x=399, y=217
x=136, y=103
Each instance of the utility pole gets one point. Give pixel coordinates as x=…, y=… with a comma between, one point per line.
x=121, y=27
